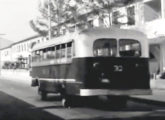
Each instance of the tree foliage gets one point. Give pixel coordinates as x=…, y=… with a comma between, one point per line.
x=64, y=13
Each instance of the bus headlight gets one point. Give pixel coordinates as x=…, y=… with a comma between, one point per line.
x=96, y=65
x=105, y=80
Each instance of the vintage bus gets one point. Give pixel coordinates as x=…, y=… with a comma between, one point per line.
x=93, y=62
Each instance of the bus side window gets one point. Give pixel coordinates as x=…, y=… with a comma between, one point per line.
x=54, y=52
x=73, y=48
x=50, y=53
x=44, y=54
x=40, y=55
x=63, y=49
x=37, y=55
x=33, y=56
x=69, y=50
x=58, y=51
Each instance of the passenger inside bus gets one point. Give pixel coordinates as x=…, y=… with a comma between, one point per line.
x=108, y=47
x=105, y=47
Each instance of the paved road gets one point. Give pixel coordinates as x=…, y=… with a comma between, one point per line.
x=23, y=98
x=12, y=108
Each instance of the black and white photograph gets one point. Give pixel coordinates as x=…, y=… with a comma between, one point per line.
x=82, y=59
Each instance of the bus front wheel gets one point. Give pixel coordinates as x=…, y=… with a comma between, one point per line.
x=43, y=94
x=67, y=101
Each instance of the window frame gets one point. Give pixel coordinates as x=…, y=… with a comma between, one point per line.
x=100, y=52
x=130, y=50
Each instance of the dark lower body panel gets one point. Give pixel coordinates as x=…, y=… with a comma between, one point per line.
x=96, y=76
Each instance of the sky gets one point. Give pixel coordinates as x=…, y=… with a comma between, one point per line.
x=14, y=18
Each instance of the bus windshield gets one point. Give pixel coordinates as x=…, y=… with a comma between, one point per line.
x=129, y=48
x=108, y=47
x=105, y=47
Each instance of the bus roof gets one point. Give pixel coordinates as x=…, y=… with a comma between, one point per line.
x=113, y=32
x=54, y=41
x=97, y=32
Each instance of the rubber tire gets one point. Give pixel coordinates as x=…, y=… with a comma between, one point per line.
x=43, y=95
x=67, y=102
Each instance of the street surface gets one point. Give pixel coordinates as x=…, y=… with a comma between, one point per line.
x=20, y=101
x=13, y=109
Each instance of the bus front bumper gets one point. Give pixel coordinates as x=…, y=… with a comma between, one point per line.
x=96, y=92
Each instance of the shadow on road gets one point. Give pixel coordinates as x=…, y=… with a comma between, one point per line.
x=15, y=109
x=47, y=107
x=104, y=104
x=12, y=108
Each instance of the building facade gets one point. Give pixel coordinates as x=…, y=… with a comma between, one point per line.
x=148, y=16
x=17, y=55
x=5, y=56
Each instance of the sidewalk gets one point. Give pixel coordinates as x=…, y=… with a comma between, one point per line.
x=157, y=97
x=158, y=93
x=15, y=109
x=22, y=76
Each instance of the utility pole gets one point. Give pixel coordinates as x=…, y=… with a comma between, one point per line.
x=109, y=14
x=0, y=56
x=49, y=20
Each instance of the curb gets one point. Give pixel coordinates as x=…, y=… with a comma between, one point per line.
x=148, y=101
